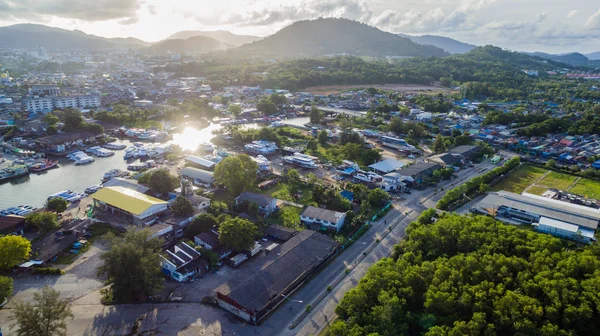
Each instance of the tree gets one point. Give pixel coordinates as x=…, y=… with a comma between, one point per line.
x=237, y=233
x=323, y=137
x=235, y=109
x=278, y=99
x=203, y=223
x=132, y=266
x=72, y=119
x=50, y=119
x=483, y=188
x=290, y=217
x=44, y=221
x=160, y=180
x=57, y=204
x=315, y=115
x=237, y=173
x=6, y=288
x=13, y=251
x=378, y=198
x=46, y=316
x=312, y=145
x=438, y=144
x=51, y=130
x=551, y=163
x=293, y=178
x=266, y=106
x=182, y=206
x=216, y=208
x=252, y=209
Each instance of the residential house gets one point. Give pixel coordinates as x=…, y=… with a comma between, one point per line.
x=445, y=159
x=467, y=151
x=266, y=205
x=182, y=262
x=323, y=218
x=418, y=172
x=210, y=241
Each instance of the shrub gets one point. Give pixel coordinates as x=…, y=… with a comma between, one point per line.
x=48, y=271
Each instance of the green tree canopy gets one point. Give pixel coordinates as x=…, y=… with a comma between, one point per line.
x=47, y=315
x=323, y=137
x=235, y=109
x=473, y=275
x=315, y=115
x=13, y=251
x=6, y=287
x=203, y=223
x=51, y=130
x=378, y=198
x=266, y=106
x=237, y=173
x=182, y=206
x=57, y=204
x=132, y=267
x=44, y=222
x=237, y=233
x=161, y=181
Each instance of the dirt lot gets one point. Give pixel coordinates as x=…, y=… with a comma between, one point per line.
x=335, y=89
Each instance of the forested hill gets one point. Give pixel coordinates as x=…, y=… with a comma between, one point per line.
x=331, y=36
x=467, y=275
x=450, y=45
x=196, y=44
x=484, y=71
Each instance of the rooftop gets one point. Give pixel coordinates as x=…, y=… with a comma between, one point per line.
x=261, y=200
x=566, y=212
x=280, y=232
x=419, y=168
x=126, y=183
x=195, y=173
x=126, y=199
x=64, y=137
x=299, y=255
x=387, y=165
x=322, y=214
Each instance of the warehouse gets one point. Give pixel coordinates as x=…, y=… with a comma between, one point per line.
x=120, y=200
x=561, y=219
x=198, y=176
x=199, y=162
x=294, y=262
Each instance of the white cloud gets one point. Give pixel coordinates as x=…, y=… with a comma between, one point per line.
x=594, y=21
x=88, y=10
x=572, y=13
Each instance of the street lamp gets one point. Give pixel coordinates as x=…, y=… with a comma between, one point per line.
x=288, y=298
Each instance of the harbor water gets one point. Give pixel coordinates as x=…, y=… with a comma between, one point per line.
x=34, y=189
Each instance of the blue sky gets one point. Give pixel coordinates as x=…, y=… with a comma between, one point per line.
x=528, y=25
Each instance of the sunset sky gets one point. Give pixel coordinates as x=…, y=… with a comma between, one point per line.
x=528, y=25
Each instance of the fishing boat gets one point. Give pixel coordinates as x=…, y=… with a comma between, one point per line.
x=42, y=166
x=114, y=146
x=93, y=189
x=13, y=172
x=300, y=160
x=114, y=173
x=206, y=147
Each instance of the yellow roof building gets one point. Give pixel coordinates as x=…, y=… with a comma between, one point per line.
x=130, y=201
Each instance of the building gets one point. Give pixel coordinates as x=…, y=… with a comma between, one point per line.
x=210, y=241
x=418, y=172
x=126, y=183
x=266, y=205
x=44, y=90
x=199, y=162
x=387, y=166
x=287, y=267
x=141, y=208
x=182, y=262
x=60, y=143
x=279, y=233
x=12, y=224
x=562, y=219
x=163, y=231
x=323, y=218
x=467, y=151
x=143, y=103
x=198, y=176
x=445, y=159
x=47, y=104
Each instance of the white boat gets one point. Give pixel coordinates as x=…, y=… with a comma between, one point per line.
x=66, y=194
x=369, y=177
x=114, y=173
x=206, y=147
x=93, y=189
x=276, y=124
x=300, y=160
x=84, y=160
x=114, y=146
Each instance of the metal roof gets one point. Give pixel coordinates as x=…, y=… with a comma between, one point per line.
x=297, y=257
x=388, y=165
x=322, y=214
x=199, y=174
x=126, y=199
x=546, y=207
x=127, y=183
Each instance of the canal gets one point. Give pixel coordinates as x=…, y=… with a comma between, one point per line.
x=35, y=188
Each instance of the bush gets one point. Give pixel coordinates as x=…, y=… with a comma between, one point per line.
x=473, y=185
x=48, y=271
x=6, y=288
x=308, y=308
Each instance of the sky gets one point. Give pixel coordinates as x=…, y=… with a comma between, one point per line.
x=555, y=26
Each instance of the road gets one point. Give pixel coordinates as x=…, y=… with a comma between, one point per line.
x=92, y=318
x=351, y=113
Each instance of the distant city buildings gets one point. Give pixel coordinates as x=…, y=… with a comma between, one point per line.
x=47, y=104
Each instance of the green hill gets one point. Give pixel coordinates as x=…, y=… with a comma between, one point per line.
x=313, y=38
x=196, y=44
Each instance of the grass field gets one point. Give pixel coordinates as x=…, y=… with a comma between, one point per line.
x=537, y=190
x=520, y=179
x=587, y=188
x=558, y=180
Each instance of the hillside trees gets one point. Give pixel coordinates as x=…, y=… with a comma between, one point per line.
x=473, y=275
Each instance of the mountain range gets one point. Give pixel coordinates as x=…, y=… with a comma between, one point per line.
x=447, y=44
x=219, y=35
x=308, y=38
x=333, y=36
